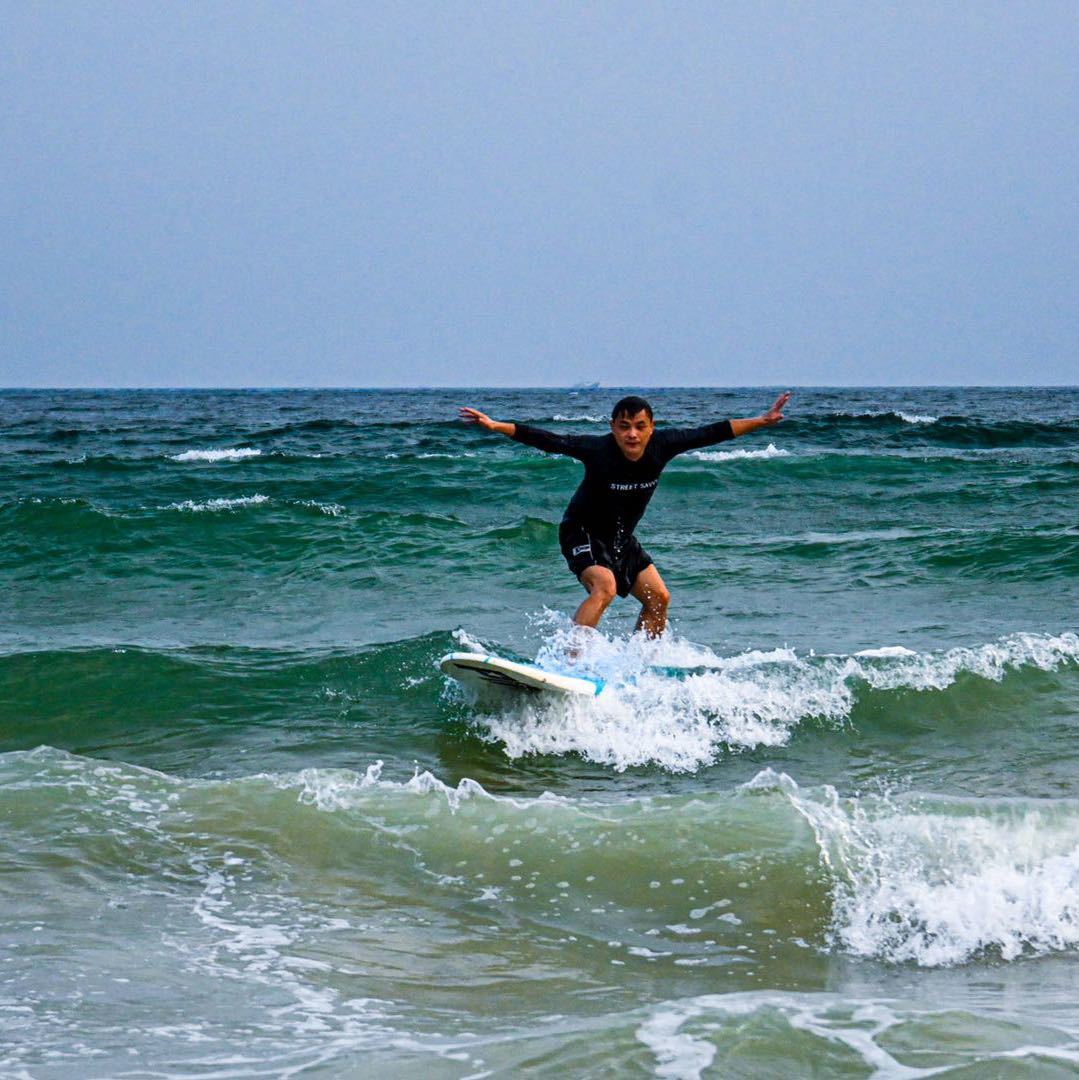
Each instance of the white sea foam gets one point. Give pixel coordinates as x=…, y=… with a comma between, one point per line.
x=240, y=453
x=886, y=651
x=936, y=671
x=695, y=703
x=684, y=1035
x=329, y=509
x=255, y=942
x=583, y=417
x=219, y=504
x=770, y=451
x=680, y=705
x=893, y=414
x=467, y=642
x=677, y=1053
x=341, y=789
x=941, y=881
x=191, y=505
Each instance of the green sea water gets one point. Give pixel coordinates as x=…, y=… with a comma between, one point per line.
x=829, y=826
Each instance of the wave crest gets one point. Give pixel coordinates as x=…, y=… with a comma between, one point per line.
x=240, y=453
x=770, y=451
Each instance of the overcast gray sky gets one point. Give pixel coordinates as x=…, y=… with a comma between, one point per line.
x=393, y=194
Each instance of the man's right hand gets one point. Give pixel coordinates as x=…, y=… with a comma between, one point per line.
x=474, y=416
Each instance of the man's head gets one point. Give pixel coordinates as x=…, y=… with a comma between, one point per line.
x=632, y=427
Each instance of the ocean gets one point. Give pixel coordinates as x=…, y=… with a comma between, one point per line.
x=828, y=826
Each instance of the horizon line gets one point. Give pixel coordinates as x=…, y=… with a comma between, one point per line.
x=579, y=389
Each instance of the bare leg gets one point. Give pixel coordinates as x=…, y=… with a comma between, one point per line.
x=654, y=597
x=600, y=583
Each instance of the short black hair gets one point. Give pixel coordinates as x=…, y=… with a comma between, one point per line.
x=630, y=406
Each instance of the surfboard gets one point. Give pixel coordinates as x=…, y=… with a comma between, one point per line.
x=482, y=671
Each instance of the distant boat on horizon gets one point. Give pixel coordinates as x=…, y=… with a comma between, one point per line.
x=585, y=386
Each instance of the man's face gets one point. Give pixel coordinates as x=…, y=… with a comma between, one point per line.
x=632, y=434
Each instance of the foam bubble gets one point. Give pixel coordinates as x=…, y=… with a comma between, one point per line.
x=575, y=419
x=238, y=454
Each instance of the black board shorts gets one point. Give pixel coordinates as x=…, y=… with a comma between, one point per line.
x=583, y=550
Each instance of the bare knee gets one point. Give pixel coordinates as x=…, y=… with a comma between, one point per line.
x=601, y=586
x=604, y=592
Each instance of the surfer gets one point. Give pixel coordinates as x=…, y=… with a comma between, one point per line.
x=621, y=471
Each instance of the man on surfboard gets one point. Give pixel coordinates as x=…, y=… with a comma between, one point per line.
x=621, y=471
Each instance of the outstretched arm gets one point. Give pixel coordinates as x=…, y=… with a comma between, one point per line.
x=576, y=446
x=679, y=440
x=474, y=416
x=772, y=416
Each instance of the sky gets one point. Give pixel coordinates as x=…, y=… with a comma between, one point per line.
x=517, y=194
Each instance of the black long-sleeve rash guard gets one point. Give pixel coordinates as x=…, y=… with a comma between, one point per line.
x=615, y=491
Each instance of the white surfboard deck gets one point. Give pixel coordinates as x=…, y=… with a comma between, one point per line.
x=482, y=671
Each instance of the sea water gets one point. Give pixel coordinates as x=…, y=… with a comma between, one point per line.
x=828, y=826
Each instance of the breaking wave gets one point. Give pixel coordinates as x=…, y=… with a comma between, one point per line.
x=680, y=706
